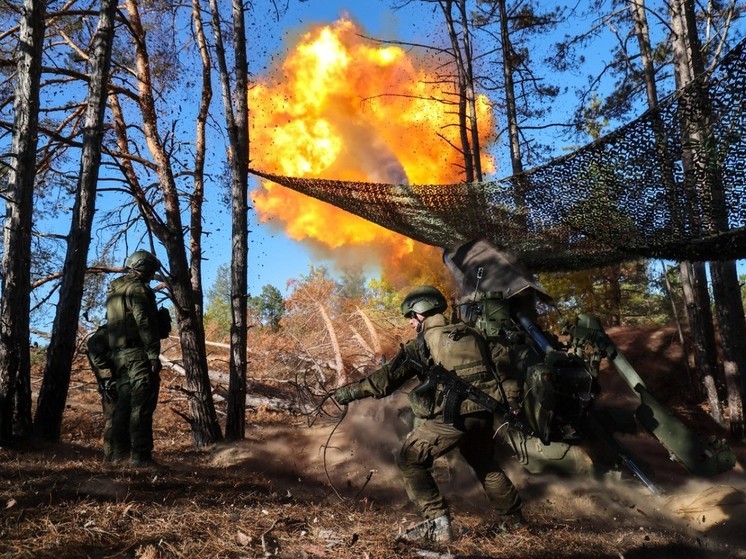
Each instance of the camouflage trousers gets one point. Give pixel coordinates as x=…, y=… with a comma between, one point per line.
x=108, y=406
x=472, y=435
x=137, y=389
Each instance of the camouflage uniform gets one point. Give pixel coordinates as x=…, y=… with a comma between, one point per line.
x=458, y=348
x=99, y=357
x=132, y=318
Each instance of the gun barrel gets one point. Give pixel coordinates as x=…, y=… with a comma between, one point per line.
x=544, y=345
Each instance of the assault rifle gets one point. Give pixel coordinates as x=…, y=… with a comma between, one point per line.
x=457, y=390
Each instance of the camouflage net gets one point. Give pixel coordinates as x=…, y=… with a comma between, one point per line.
x=668, y=185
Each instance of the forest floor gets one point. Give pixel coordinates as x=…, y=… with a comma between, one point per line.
x=289, y=490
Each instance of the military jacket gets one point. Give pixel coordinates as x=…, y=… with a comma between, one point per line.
x=457, y=347
x=132, y=316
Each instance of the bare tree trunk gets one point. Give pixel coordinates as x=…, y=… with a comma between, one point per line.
x=693, y=279
x=699, y=316
x=730, y=315
x=15, y=373
x=338, y=362
x=375, y=340
x=516, y=160
x=198, y=195
x=205, y=427
x=236, y=115
x=471, y=97
x=61, y=350
x=462, y=91
x=701, y=169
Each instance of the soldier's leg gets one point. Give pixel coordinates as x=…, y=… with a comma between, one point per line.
x=120, y=421
x=145, y=385
x=108, y=405
x=428, y=441
x=478, y=448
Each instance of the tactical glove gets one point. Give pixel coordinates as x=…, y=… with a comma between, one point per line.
x=108, y=389
x=345, y=394
x=155, y=365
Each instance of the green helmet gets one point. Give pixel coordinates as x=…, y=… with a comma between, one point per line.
x=424, y=299
x=142, y=262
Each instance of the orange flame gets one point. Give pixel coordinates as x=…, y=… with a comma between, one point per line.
x=340, y=108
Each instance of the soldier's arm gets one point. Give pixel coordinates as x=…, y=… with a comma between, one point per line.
x=141, y=303
x=387, y=379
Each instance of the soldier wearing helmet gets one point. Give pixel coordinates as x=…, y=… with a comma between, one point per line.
x=462, y=350
x=134, y=341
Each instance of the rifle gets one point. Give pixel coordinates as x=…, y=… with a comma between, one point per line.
x=457, y=390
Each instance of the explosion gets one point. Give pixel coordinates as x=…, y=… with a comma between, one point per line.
x=339, y=108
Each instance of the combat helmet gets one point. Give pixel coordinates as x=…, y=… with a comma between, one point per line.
x=425, y=300
x=143, y=263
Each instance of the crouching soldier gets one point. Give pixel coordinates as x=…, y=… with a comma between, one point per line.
x=99, y=356
x=469, y=428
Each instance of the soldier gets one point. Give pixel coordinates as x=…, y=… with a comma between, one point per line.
x=133, y=335
x=99, y=356
x=459, y=348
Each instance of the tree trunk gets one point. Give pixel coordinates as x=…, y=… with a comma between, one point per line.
x=15, y=373
x=61, y=350
x=236, y=116
x=693, y=280
x=516, y=160
x=342, y=377
x=198, y=195
x=699, y=316
x=730, y=314
x=461, y=90
x=471, y=97
x=205, y=427
x=701, y=169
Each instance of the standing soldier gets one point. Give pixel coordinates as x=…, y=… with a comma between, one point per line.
x=460, y=349
x=99, y=357
x=134, y=339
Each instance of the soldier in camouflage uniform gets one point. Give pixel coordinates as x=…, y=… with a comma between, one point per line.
x=133, y=335
x=99, y=357
x=461, y=349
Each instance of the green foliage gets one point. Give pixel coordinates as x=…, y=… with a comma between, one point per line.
x=383, y=296
x=268, y=307
x=218, y=307
x=620, y=294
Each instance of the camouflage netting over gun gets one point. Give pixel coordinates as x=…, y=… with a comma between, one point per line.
x=668, y=185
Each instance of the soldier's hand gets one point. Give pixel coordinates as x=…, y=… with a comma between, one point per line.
x=344, y=395
x=111, y=389
x=155, y=365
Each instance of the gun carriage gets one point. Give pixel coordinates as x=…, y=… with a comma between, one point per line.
x=551, y=387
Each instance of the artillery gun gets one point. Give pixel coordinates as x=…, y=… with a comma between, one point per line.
x=554, y=385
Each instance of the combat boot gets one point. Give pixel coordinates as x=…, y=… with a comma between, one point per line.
x=436, y=530
x=508, y=523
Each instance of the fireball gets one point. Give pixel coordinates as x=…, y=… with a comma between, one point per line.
x=340, y=107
